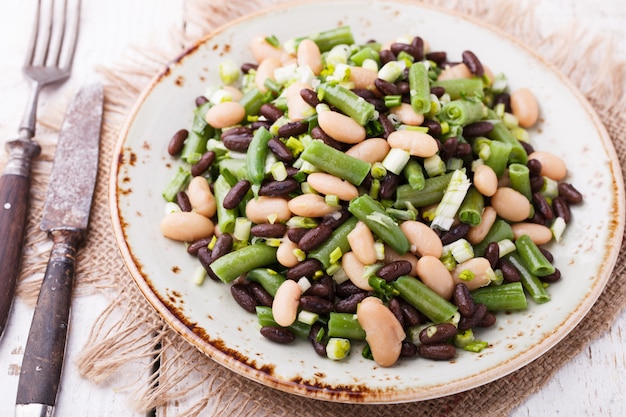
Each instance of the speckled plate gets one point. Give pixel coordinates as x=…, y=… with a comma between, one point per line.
x=208, y=318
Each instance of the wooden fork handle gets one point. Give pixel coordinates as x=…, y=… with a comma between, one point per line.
x=14, y=193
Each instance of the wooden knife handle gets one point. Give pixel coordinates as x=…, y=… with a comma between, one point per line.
x=45, y=347
x=14, y=193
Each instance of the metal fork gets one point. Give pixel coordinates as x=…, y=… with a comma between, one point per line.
x=49, y=60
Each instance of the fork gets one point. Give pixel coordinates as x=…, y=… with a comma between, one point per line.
x=49, y=60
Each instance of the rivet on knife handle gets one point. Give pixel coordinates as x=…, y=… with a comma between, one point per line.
x=43, y=356
x=14, y=193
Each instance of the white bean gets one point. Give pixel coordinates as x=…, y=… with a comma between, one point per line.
x=309, y=55
x=201, y=198
x=455, y=71
x=261, y=49
x=355, y=270
x=552, y=166
x=477, y=233
x=263, y=208
x=286, y=301
x=225, y=114
x=436, y=276
x=424, y=241
x=265, y=71
x=310, y=205
x=486, y=180
x=363, y=78
x=538, y=233
x=330, y=185
x=341, y=127
x=370, y=150
x=416, y=143
x=186, y=226
x=479, y=268
x=383, y=331
x=525, y=107
x=407, y=115
x=297, y=108
x=362, y=242
x=285, y=254
x=510, y=204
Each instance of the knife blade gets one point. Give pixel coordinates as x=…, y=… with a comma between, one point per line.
x=65, y=218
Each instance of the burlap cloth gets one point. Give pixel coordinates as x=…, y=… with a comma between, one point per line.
x=129, y=329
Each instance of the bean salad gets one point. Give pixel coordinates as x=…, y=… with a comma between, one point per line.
x=384, y=195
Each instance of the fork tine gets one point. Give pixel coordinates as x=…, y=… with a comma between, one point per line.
x=57, y=32
x=41, y=34
x=70, y=37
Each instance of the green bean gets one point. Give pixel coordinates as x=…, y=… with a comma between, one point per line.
x=266, y=318
x=461, y=87
x=347, y=102
x=419, y=88
x=532, y=257
x=520, y=179
x=335, y=162
x=501, y=297
x=338, y=239
x=345, y=325
x=414, y=174
x=433, y=191
x=228, y=267
x=427, y=301
x=471, y=208
x=499, y=153
x=364, y=53
x=328, y=39
x=502, y=134
x=268, y=278
x=500, y=230
x=372, y=213
x=178, y=183
x=252, y=101
x=225, y=217
x=256, y=154
x=201, y=131
x=462, y=112
x=529, y=281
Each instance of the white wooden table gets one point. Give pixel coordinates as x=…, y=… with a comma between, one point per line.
x=589, y=385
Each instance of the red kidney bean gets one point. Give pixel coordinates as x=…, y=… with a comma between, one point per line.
x=364, y=93
x=473, y=63
x=278, y=334
x=237, y=142
x=194, y=247
x=409, y=313
x=448, y=148
x=236, y=194
x=278, y=188
x=388, y=127
x=378, y=103
x=203, y=164
x=204, y=257
x=553, y=277
x=569, y=193
x=200, y=100
x=346, y=289
x=385, y=87
x=323, y=288
x=463, y=149
x=437, y=91
x=306, y=268
x=547, y=254
x=534, y=168
x=295, y=233
x=260, y=294
x=385, y=56
x=561, y=209
x=395, y=269
x=336, y=219
x=394, y=307
x=223, y=245
x=536, y=183
x=472, y=321
x=177, y=142
x=541, y=205
x=275, y=230
x=293, y=129
x=434, y=128
x=318, y=345
x=408, y=349
x=237, y=130
x=527, y=147
x=437, y=351
x=282, y=152
x=247, y=66
x=463, y=300
x=243, y=297
x=315, y=237
x=182, y=199
x=418, y=42
x=350, y=303
x=271, y=112
x=492, y=254
x=403, y=87
x=318, y=133
x=455, y=233
x=408, y=48
x=503, y=98
x=388, y=185
x=437, y=333
x=309, y=96
x=476, y=129
x=316, y=304
x=438, y=57
x=509, y=272
x=257, y=124
x=489, y=319
x=537, y=218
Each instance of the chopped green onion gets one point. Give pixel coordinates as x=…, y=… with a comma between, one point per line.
x=506, y=246
x=307, y=317
x=199, y=274
x=451, y=201
x=337, y=348
x=460, y=249
x=396, y=160
x=434, y=165
x=558, y=228
x=242, y=229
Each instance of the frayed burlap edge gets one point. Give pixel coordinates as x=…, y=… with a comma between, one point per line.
x=129, y=331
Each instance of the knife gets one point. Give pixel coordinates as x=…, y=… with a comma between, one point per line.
x=65, y=217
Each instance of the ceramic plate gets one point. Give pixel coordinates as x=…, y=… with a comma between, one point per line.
x=207, y=317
